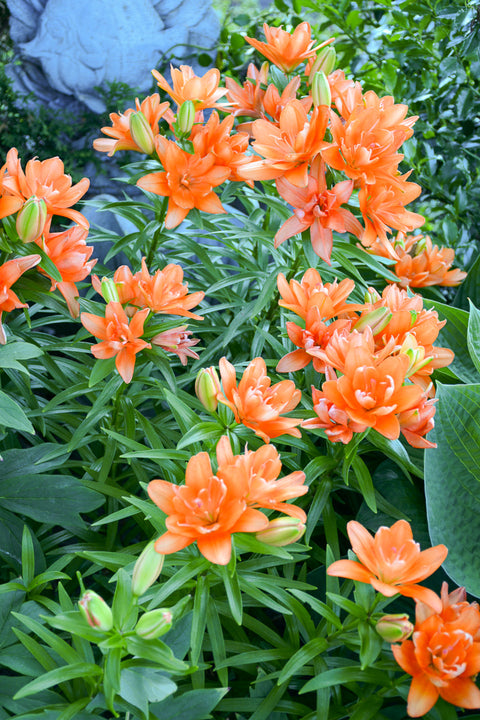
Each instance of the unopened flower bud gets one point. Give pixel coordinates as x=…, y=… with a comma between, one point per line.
x=96, y=611
x=377, y=320
x=154, y=623
x=394, y=628
x=207, y=387
x=141, y=132
x=281, y=531
x=31, y=219
x=321, y=94
x=147, y=569
x=372, y=296
x=415, y=354
x=325, y=61
x=419, y=247
x=109, y=290
x=185, y=117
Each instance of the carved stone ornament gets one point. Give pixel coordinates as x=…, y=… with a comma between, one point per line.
x=69, y=47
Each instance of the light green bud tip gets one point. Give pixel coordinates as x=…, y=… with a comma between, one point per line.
x=31, y=219
x=96, y=611
x=141, y=132
x=147, y=569
x=154, y=623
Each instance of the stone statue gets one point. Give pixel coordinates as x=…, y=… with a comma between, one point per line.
x=69, y=47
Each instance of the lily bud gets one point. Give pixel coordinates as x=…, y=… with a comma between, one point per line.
x=415, y=354
x=281, y=531
x=325, y=61
x=109, y=290
x=419, y=247
x=207, y=387
x=147, y=569
x=394, y=628
x=141, y=132
x=154, y=623
x=377, y=320
x=320, y=92
x=372, y=296
x=96, y=611
x=185, y=117
x=31, y=219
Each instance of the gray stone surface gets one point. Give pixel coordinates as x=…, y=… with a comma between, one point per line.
x=69, y=47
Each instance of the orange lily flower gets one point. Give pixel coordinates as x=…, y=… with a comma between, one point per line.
x=10, y=271
x=47, y=181
x=69, y=253
x=248, y=100
x=417, y=422
x=346, y=94
x=290, y=147
x=214, y=138
x=318, y=208
x=391, y=562
x=260, y=470
x=287, y=50
x=365, y=145
x=119, y=338
x=207, y=510
x=274, y=103
x=336, y=423
x=330, y=298
x=164, y=292
x=420, y=263
x=187, y=181
x=202, y=91
x=443, y=655
x=120, y=137
x=257, y=405
x=178, y=342
x=373, y=393
x=383, y=207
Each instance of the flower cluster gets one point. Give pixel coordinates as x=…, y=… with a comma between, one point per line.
x=131, y=299
x=210, y=507
x=443, y=654
x=35, y=197
x=377, y=358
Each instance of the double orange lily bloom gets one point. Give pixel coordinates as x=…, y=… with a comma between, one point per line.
x=443, y=655
x=287, y=50
x=9, y=274
x=210, y=507
x=258, y=404
x=391, y=562
x=202, y=91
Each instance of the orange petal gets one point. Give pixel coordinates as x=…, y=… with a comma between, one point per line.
x=349, y=569
x=422, y=696
x=216, y=548
x=170, y=543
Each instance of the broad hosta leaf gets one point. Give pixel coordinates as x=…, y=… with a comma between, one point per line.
x=454, y=336
x=452, y=482
x=473, y=335
x=139, y=686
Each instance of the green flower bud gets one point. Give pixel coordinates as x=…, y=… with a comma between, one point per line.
x=185, y=117
x=147, y=569
x=377, y=320
x=281, y=531
x=96, y=611
x=372, y=296
x=141, y=132
x=325, y=61
x=394, y=628
x=207, y=387
x=321, y=94
x=154, y=623
x=31, y=219
x=109, y=290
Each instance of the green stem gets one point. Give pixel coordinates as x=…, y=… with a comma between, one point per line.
x=158, y=233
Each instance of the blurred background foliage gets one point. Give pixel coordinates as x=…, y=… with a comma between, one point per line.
x=426, y=54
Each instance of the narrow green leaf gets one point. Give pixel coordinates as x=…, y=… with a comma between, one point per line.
x=59, y=675
x=340, y=676
x=302, y=657
x=12, y=415
x=473, y=335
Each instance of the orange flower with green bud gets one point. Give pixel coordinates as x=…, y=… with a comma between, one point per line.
x=443, y=656
x=10, y=271
x=258, y=404
x=45, y=180
x=120, y=338
x=311, y=291
x=177, y=341
x=202, y=91
x=145, y=127
x=391, y=562
x=287, y=50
